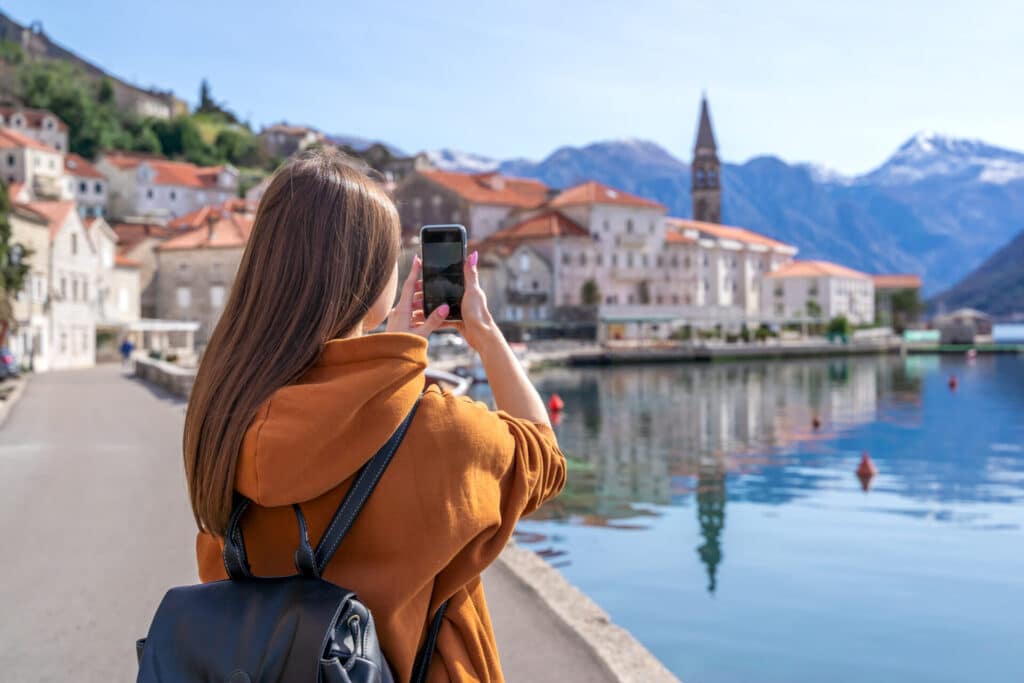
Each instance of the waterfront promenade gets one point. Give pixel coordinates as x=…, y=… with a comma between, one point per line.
x=96, y=525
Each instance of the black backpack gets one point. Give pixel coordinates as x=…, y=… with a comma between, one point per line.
x=292, y=629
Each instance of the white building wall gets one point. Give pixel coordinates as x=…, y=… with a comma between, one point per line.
x=49, y=133
x=72, y=316
x=485, y=220
x=89, y=193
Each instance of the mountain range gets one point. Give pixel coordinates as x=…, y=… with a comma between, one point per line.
x=996, y=286
x=938, y=207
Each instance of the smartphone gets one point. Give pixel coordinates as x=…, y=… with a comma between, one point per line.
x=444, y=251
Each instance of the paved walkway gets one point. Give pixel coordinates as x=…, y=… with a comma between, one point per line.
x=96, y=526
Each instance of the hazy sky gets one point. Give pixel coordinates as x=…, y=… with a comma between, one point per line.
x=838, y=83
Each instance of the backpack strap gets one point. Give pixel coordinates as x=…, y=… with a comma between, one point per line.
x=358, y=493
x=422, y=663
x=307, y=561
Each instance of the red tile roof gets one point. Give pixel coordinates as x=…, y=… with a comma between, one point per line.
x=130, y=234
x=673, y=236
x=594, y=192
x=33, y=117
x=726, y=232
x=545, y=225
x=55, y=212
x=897, y=281
x=80, y=168
x=11, y=138
x=178, y=173
x=222, y=229
x=125, y=262
x=816, y=269
x=491, y=188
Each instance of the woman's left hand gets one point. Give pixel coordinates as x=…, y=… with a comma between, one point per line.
x=407, y=315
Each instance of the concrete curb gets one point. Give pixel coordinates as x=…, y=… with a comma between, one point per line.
x=621, y=653
x=12, y=398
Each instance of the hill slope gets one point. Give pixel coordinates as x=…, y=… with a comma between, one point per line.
x=996, y=286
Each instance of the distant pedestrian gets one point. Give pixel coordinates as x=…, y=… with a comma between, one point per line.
x=126, y=353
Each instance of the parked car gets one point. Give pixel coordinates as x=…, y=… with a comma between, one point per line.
x=8, y=364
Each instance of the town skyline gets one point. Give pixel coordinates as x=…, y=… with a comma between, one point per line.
x=877, y=95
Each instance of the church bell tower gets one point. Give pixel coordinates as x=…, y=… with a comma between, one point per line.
x=705, y=171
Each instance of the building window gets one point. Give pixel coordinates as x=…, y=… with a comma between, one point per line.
x=49, y=124
x=183, y=269
x=74, y=244
x=643, y=259
x=629, y=225
x=456, y=216
x=149, y=194
x=606, y=227
x=11, y=161
x=173, y=195
x=60, y=147
x=63, y=341
x=536, y=285
x=660, y=261
x=122, y=300
x=657, y=299
x=615, y=259
x=652, y=227
x=686, y=262
x=74, y=290
x=675, y=299
x=583, y=258
x=85, y=290
x=184, y=297
x=629, y=299
x=629, y=259
x=52, y=164
x=82, y=187
x=436, y=199
x=217, y=296
x=566, y=258
x=98, y=188
x=600, y=259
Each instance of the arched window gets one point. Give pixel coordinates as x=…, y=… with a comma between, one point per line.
x=700, y=177
x=712, y=178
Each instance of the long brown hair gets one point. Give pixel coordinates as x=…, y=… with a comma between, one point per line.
x=323, y=246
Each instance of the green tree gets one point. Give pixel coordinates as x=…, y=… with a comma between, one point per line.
x=145, y=140
x=839, y=326
x=13, y=266
x=207, y=105
x=63, y=89
x=11, y=52
x=813, y=309
x=238, y=146
x=590, y=293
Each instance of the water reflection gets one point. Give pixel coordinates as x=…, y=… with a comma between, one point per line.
x=711, y=515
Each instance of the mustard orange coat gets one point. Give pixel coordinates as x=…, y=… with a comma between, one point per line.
x=442, y=512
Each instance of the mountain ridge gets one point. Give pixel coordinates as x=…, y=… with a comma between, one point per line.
x=938, y=206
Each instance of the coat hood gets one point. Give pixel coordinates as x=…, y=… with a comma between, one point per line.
x=311, y=436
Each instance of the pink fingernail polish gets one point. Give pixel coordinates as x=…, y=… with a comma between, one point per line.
x=443, y=310
x=472, y=258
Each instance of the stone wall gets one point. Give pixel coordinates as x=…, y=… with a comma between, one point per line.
x=174, y=379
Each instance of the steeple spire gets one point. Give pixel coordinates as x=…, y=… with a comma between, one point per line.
x=705, y=135
x=705, y=171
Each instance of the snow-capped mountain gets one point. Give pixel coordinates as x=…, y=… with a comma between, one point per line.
x=456, y=160
x=929, y=155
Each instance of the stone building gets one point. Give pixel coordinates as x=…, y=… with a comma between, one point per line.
x=483, y=202
x=34, y=165
x=39, y=124
x=146, y=186
x=196, y=269
x=706, y=171
x=283, y=140
x=86, y=185
x=137, y=243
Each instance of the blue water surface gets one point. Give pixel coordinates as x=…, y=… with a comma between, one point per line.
x=709, y=515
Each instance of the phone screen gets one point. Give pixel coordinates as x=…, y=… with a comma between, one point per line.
x=444, y=248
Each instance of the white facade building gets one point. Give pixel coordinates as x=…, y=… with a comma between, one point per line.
x=149, y=187
x=86, y=185
x=818, y=291
x=34, y=165
x=38, y=124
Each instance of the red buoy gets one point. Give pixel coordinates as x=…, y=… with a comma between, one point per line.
x=866, y=471
x=555, y=403
x=952, y=382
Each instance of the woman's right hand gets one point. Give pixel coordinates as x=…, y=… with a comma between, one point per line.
x=477, y=326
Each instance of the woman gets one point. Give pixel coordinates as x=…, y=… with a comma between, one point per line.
x=292, y=398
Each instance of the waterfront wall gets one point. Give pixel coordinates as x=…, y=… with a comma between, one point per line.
x=174, y=379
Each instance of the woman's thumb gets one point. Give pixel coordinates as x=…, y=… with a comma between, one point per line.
x=435, y=320
x=471, y=274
